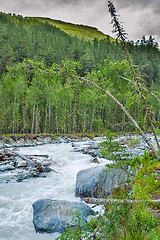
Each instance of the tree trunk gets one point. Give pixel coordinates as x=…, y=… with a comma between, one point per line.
x=74, y=113
x=84, y=117
x=158, y=118
x=64, y=118
x=125, y=111
x=37, y=120
x=24, y=115
x=49, y=116
x=103, y=201
x=56, y=121
x=29, y=161
x=14, y=109
x=46, y=116
x=92, y=120
x=33, y=116
x=2, y=109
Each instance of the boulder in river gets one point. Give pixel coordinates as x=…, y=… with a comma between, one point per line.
x=95, y=182
x=95, y=160
x=22, y=164
x=94, y=153
x=56, y=215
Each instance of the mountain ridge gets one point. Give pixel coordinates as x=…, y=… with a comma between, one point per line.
x=75, y=30
x=78, y=30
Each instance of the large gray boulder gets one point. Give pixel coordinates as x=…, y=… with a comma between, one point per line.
x=56, y=215
x=95, y=182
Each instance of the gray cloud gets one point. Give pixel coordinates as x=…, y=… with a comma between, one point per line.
x=21, y=4
x=140, y=17
x=128, y=3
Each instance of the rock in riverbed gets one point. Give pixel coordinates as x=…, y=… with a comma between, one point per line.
x=22, y=167
x=96, y=182
x=7, y=167
x=56, y=215
x=95, y=160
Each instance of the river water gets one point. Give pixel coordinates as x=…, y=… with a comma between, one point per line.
x=16, y=199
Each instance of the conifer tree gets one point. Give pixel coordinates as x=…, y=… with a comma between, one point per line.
x=117, y=26
x=121, y=35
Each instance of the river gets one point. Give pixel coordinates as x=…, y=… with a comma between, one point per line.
x=16, y=199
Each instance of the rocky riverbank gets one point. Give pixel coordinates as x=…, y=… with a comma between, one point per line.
x=16, y=167
x=133, y=143
x=31, y=140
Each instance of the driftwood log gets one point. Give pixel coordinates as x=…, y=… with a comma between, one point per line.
x=31, y=163
x=37, y=155
x=103, y=201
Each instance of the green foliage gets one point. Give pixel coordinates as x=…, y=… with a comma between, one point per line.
x=39, y=95
x=79, y=230
x=52, y=41
x=127, y=220
x=40, y=99
x=36, y=98
x=120, y=221
x=114, y=151
x=132, y=142
x=145, y=182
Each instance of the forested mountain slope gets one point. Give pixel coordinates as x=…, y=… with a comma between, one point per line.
x=36, y=39
x=36, y=93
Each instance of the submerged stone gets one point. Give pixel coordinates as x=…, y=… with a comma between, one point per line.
x=7, y=167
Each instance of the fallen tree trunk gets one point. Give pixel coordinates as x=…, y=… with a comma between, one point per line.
x=33, y=163
x=5, y=162
x=29, y=161
x=37, y=155
x=107, y=92
x=103, y=201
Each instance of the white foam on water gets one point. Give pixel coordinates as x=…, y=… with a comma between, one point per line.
x=16, y=199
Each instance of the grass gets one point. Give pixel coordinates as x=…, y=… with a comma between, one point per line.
x=128, y=221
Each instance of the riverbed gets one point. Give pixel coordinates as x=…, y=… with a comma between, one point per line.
x=16, y=198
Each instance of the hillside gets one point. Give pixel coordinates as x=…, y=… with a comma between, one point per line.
x=39, y=39
x=52, y=41
x=37, y=97
x=76, y=30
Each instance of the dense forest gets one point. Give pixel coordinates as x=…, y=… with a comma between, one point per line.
x=39, y=94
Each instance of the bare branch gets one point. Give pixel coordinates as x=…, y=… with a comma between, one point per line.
x=139, y=85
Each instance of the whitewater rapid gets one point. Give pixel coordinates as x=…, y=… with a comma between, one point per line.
x=16, y=199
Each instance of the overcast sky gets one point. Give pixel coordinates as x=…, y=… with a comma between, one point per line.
x=139, y=17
